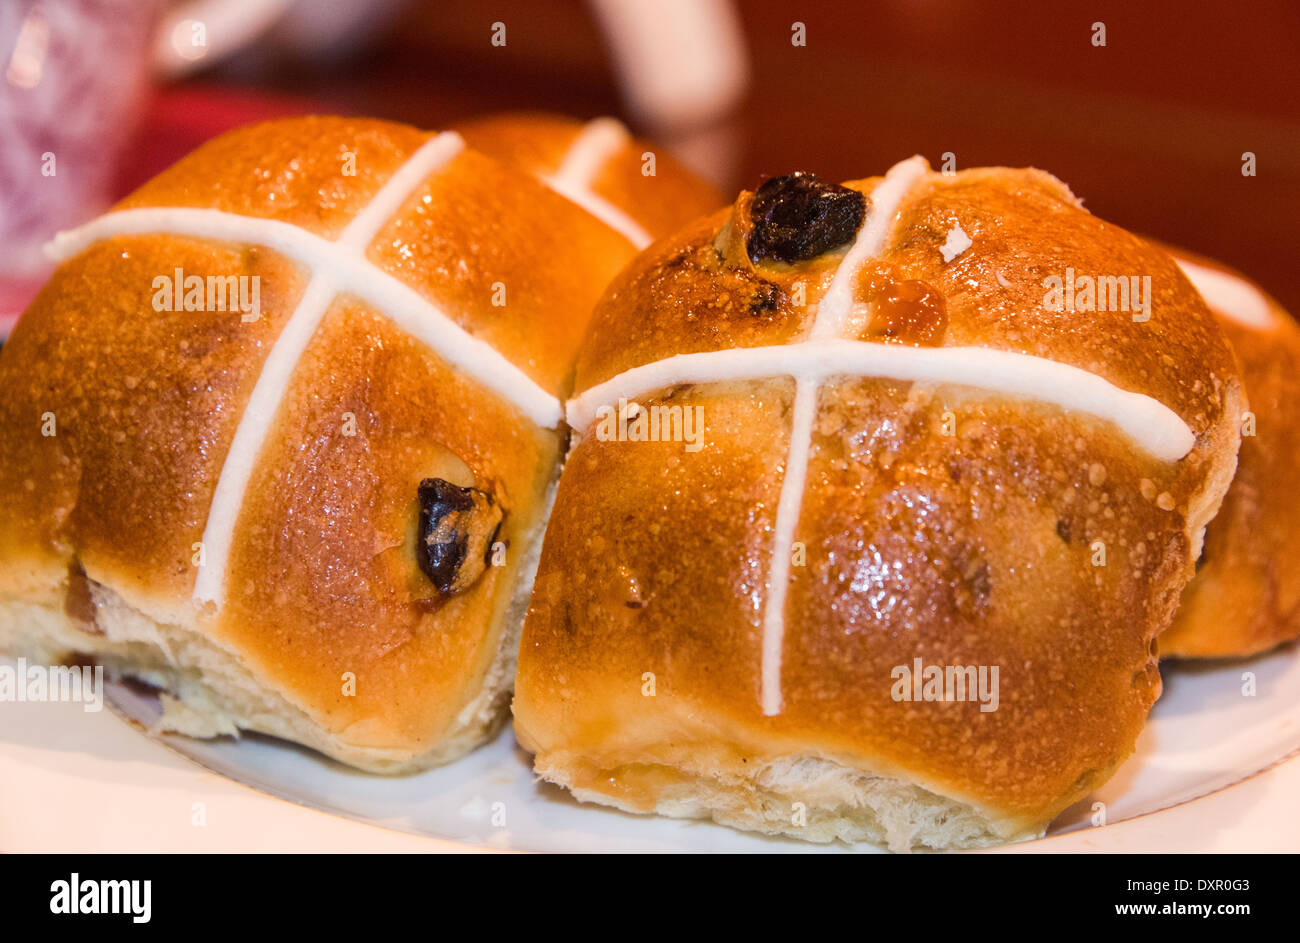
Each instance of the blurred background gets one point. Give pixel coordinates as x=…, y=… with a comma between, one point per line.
x=1145, y=109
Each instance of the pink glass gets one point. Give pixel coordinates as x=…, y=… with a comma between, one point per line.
x=72, y=75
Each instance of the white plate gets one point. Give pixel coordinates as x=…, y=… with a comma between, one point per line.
x=1204, y=734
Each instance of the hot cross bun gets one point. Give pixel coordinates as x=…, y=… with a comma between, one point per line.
x=279, y=434
x=1245, y=598
x=882, y=494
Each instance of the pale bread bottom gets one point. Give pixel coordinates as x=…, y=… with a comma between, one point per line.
x=208, y=691
x=835, y=803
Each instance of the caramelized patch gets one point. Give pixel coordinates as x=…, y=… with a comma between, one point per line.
x=708, y=280
x=908, y=311
x=766, y=297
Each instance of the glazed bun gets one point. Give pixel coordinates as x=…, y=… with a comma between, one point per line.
x=1245, y=598
x=876, y=513
x=278, y=435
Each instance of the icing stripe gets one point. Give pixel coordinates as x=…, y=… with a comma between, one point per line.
x=793, y=482
x=250, y=434
x=825, y=354
x=1153, y=427
x=352, y=273
x=1230, y=296
x=829, y=322
x=595, y=145
x=430, y=157
x=888, y=195
x=282, y=360
x=335, y=266
x=598, y=141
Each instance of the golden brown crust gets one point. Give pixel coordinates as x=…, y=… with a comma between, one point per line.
x=659, y=202
x=978, y=547
x=979, y=551
x=498, y=291
x=535, y=142
x=143, y=405
x=1245, y=597
x=654, y=200
x=324, y=578
x=315, y=172
x=325, y=604
x=679, y=297
x=683, y=298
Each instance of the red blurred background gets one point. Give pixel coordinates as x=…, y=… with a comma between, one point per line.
x=1149, y=129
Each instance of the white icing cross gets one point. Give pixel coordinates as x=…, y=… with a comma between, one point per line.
x=598, y=141
x=335, y=266
x=826, y=354
x=1232, y=297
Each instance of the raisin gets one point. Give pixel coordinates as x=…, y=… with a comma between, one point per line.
x=457, y=529
x=797, y=217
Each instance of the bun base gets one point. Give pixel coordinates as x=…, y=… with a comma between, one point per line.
x=207, y=691
x=838, y=802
